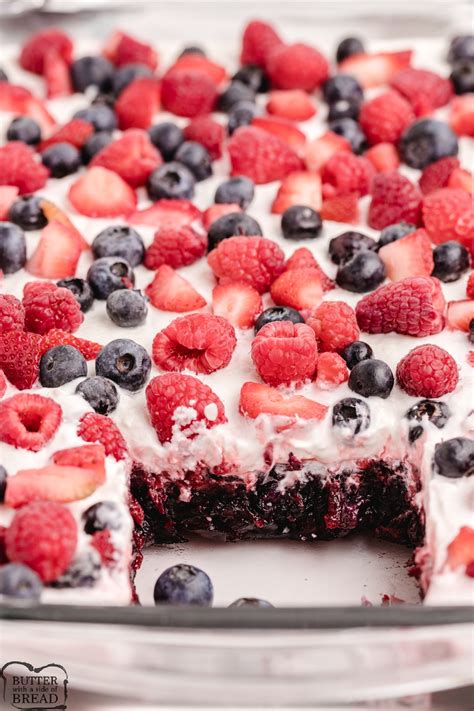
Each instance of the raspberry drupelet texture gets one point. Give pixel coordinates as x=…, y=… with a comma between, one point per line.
x=99, y=428
x=48, y=306
x=285, y=353
x=427, y=371
x=177, y=247
x=29, y=421
x=255, y=260
x=335, y=325
x=12, y=314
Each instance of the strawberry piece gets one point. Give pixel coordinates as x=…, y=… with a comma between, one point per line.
x=425, y=90
x=169, y=291
x=21, y=102
x=122, y=48
x=53, y=213
x=285, y=353
x=237, y=302
x=254, y=260
x=8, y=195
x=427, y=371
x=166, y=214
x=293, y=104
x=302, y=258
x=298, y=188
x=138, y=103
x=29, y=421
x=258, y=40
x=341, y=208
x=167, y=394
x=375, y=69
x=19, y=168
x=461, y=549
x=394, y=199
x=102, y=193
x=188, y=93
x=334, y=324
x=177, y=247
x=257, y=399
x=76, y=132
x=298, y=288
x=261, y=156
x=459, y=178
x=57, y=253
x=132, y=156
x=215, y=211
x=384, y=118
x=3, y=388
x=102, y=542
x=12, y=314
x=35, y=51
x=470, y=286
x=56, y=74
x=384, y=157
x=49, y=306
x=348, y=173
x=442, y=209
x=57, y=337
x=332, y=371
x=296, y=66
x=89, y=456
x=409, y=256
x=465, y=230
x=461, y=118
x=207, y=132
x=282, y=129
x=436, y=175
x=320, y=150
x=460, y=314
x=102, y=430
x=195, y=62
x=19, y=357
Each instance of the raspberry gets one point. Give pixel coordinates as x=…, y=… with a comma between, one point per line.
x=436, y=175
x=332, y=371
x=254, y=260
x=413, y=306
x=100, y=428
x=76, y=132
x=138, y=103
x=19, y=357
x=261, y=156
x=427, y=371
x=57, y=337
x=28, y=421
x=18, y=167
x=3, y=384
x=302, y=258
x=208, y=133
x=102, y=542
x=348, y=173
x=441, y=211
x=335, y=325
x=297, y=66
x=202, y=343
x=424, y=90
x=384, y=118
x=285, y=353
x=394, y=199
x=166, y=393
x=132, y=156
x=43, y=536
x=341, y=208
x=34, y=52
x=123, y=49
x=176, y=246
x=12, y=314
x=258, y=40
x=470, y=286
x=188, y=93
x=49, y=306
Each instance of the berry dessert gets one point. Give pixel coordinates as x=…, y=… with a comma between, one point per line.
x=235, y=298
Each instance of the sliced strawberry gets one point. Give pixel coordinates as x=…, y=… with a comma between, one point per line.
x=8, y=195
x=384, y=157
x=169, y=291
x=102, y=193
x=298, y=188
x=88, y=456
x=132, y=156
x=57, y=337
x=284, y=130
x=57, y=253
x=332, y=371
x=257, y=399
x=424, y=89
x=319, y=151
x=166, y=213
x=57, y=76
x=122, y=48
x=52, y=212
x=409, y=256
x=461, y=549
x=138, y=103
x=215, y=211
x=197, y=62
x=239, y=303
x=293, y=104
x=76, y=132
x=375, y=69
x=461, y=117
x=459, y=178
x=298, y=288
x=460, y=314
x=40, y=44
x=341, y=208
x=302, y=258
x=20, y=101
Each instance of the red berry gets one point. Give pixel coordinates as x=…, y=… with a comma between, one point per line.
x=49, y=306
x=320, y=150
x=409, y=256
x=461, y=549
x=298, y=288
x=460, y=314
x=57, y=76
x=57, y=252
x=425, y=90
x=28, y=421
x=285, y=353
x=470, y=286
x=254, y=260
x=36, y=49
x=166, y=213
x=302, y=258
x=384, y=118
x=335, y=325
x=102, y=193
x=3, y=384
x=283, y=129
x=132, y=156
x=53, y=213
x=237, y=302
x=207, y=132
x=199, y=342
x=436, y=175
x=8, y=195
x=177, y=247
x=341, y=208
x=18, y=167
x=101, y=429
x=332, y=371
x=257, y=399
x=459, y=178
x=258, y=40
x=21, y=102
x=56, y=337
x=188, y=92
x=442, y=209
x=19, y=357
x=138, y=103
x=166, y=393
x=293, y=104
x=261, y=156
x=298, y=188
x=375, y=69
x=427, y=371
x=123, y=49
x=297, y=66
x=461, y=117
x=43, y=536
x=348, y=173
x=384, y=157
x=394, y=199
x=413, y=306
x=169, y=291
x=193, y=61
x=76, y=132
x=12, y=314
x=102, y=542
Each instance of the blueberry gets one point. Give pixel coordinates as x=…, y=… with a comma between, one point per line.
x=235, y=92
x=434, y=411
x=371, y=377
x=92, y=71
x=95, y=144
x=101, y=116
x=167, y=137
x=277, y=313
x=83, y=572
x=3, y=482
x=125, y=74
x=196, y=158
x=350, y=416
x=300, y=222
x=100, y=393
x=127, y=308
x=454, y=458
x=462, y=76
x=104, y=99
x=348, y=47
x=80, y=289
x=393, y=232
x=356, y=352
x=232, y=225
x=461, y=48
x=241, y=114
x=24, y=129
x=252, y=76
x=61, y=159
x=183, y=585
x=12, y=248
x=60, y=365
x=342, y=87
x=238, y=190
x=192, y=49
x=346, y=245
x=344, y=108
x=471, y=331
x=351, y=131
x=251, y=602
x=125, y=362
x=364, y=272
x=108, y=274
x=172, y=181
x=119, y=241
x=451, y=260
x=105, y=515
x=17, y=580
x=426, y=141
x=26, y=212
x=3, y=76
